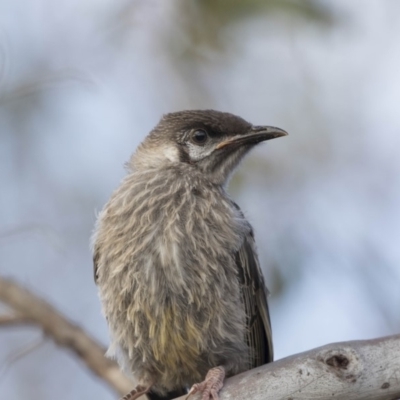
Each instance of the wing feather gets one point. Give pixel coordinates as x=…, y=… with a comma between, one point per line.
x=254, y=292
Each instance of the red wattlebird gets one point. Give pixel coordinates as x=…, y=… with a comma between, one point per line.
x=175, y=260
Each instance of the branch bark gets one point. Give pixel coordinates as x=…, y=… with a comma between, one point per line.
x=367, y=369
x=29, y=307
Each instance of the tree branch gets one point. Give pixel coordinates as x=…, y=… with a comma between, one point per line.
x=66, y=334
x=14, y=320
x=367, y=369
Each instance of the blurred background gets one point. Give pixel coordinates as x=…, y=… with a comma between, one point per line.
x=82, y=83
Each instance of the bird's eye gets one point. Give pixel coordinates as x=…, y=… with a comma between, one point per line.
x=199, y=136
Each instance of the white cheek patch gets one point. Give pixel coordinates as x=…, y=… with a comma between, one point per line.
x=171, y=153
x=198, y=152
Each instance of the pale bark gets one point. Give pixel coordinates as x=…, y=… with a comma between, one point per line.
x=367, y=369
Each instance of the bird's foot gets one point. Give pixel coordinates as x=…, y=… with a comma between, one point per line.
x=211, y=385
x=137, y=392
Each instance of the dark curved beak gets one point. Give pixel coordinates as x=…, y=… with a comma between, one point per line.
x=255, y=135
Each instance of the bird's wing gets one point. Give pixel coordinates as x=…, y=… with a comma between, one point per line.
x=254, y=292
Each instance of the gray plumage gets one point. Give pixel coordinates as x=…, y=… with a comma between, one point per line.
x=175, y=258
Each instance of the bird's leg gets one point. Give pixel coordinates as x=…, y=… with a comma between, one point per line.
x=211, y=385
x=137, y=392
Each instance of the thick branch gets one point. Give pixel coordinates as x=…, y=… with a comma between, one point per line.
x=368, y=369
x=64, y=333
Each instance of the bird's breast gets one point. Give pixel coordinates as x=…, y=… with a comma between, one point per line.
x=167, y=272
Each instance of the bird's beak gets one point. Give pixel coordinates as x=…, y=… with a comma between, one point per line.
x=255, y=135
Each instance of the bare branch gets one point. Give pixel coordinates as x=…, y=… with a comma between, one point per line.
x=14, y=320
x=368, y=369
x=64, y=333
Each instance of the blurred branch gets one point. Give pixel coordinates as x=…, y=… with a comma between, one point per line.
x=64, y=333
x=13, y=320
x=367, y=369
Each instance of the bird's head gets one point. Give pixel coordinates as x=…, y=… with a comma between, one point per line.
x=212, y=141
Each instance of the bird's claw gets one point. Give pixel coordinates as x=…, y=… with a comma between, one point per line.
x=211, y=385
x=137, y=392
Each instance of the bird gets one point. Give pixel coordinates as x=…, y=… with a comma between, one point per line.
x=175, y=260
